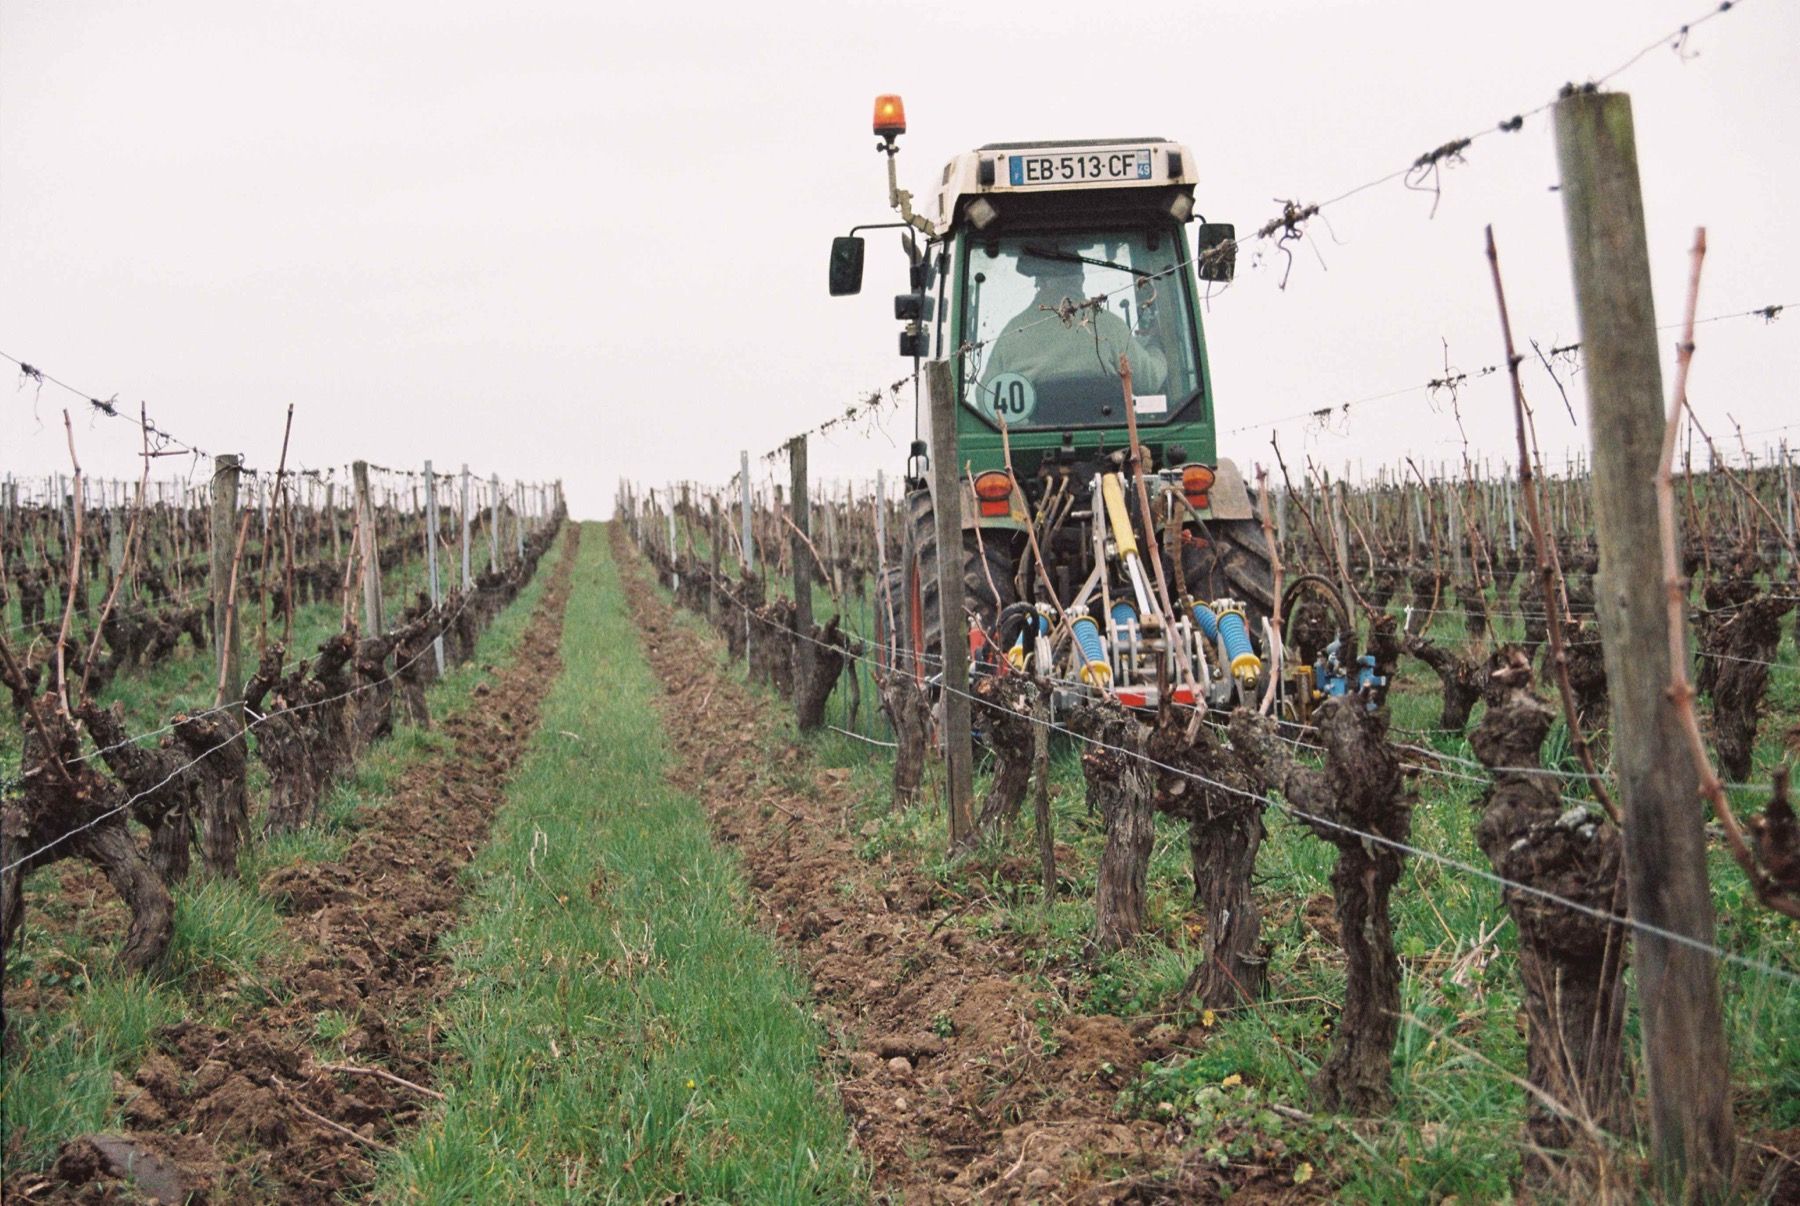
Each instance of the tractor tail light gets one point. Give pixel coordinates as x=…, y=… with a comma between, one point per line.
x=890, y=115
x=1196, y=481
x=993, y=491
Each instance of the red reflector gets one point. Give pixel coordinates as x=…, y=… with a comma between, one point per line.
x=1134, y=699
x=993, y=509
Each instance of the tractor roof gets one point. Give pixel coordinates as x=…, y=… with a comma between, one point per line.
x=1123, y=175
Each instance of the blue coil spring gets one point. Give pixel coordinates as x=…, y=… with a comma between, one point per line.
x=1087, y=635
x=1236, y=635
x=1209, y=623
x=1123, y=614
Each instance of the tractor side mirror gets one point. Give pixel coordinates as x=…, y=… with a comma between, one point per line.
x=1216, y=249
x=846, y=265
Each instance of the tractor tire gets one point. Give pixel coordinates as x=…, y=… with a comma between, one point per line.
x=987, y=585
x=1234, y=564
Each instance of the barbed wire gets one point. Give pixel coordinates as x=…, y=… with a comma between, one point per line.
x=1289, y=225
x=1451, y=381
x=161, y=441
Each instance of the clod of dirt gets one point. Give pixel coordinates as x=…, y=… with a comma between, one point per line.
x=908, y=1046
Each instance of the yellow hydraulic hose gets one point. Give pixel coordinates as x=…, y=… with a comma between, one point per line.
x=1114, y=495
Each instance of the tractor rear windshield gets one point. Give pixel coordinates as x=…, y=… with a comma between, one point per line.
x=1051, y=314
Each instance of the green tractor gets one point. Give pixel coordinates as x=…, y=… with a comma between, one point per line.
x=1058, y=281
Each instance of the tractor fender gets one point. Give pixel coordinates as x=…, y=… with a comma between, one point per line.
x=1230, y=497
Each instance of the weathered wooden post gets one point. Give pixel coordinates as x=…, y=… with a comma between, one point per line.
x=880, y=525
x=493, y=523
x=224, y=546
x=716, y=547
x=465, y=527
x=431, y=559
x=946, y=493
x=805, y=652
x=749, y=550
x=519, y=520
x=371, y=550
x=1281, y=528
x=1685, y=1062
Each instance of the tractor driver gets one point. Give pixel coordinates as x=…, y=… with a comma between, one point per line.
x=1036, y=344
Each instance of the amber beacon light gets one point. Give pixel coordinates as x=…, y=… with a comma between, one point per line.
x=890, y=115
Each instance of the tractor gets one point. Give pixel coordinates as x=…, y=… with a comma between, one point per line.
x=1059, y=282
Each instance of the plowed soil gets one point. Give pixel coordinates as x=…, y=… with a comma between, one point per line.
x=962, y=1082
x=248, y=1112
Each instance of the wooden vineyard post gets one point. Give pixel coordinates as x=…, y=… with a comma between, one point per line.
x=493, y=523
x=224, y=545
x=519, y=520
x=716, y=546
x=1281, y=529
x=371, y=550
x=1685, y=1063
x=1512, y=522
x=880, y=527
x=674, y=566
x=749, y=550
x=1340, y=536
x=946, y=494
x=465, y=527
x=331, y=522
x=805, y=653
x=431, y=559
x=1787, y=489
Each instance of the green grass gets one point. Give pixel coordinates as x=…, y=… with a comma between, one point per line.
x=56, y=1078
x=59, y=1079
x=625, y=1033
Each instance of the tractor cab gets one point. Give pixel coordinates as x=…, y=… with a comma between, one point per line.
x=1043, y=270
x=1069, y=256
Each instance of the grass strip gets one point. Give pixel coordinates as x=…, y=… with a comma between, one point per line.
x=57, y=1070
x=626, y=1034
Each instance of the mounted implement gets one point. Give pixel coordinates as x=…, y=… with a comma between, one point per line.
x=1059, y=281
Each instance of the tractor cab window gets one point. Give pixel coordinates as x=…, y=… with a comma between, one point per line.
x=1051, y=314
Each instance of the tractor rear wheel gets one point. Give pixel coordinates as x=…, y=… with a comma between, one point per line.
x=1235, y=564
x=988, y=588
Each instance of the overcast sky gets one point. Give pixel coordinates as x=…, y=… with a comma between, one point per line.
x=586, y=241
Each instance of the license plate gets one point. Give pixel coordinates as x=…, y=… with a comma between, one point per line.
x=1081, y=167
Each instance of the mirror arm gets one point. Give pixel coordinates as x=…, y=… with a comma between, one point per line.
x=899, y=198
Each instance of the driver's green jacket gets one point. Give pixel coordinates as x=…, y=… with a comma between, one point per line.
x=1037, y=345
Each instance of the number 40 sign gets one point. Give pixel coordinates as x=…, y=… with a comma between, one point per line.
x=1009, y=396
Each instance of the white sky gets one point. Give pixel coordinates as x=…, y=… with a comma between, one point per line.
x=565, y=240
